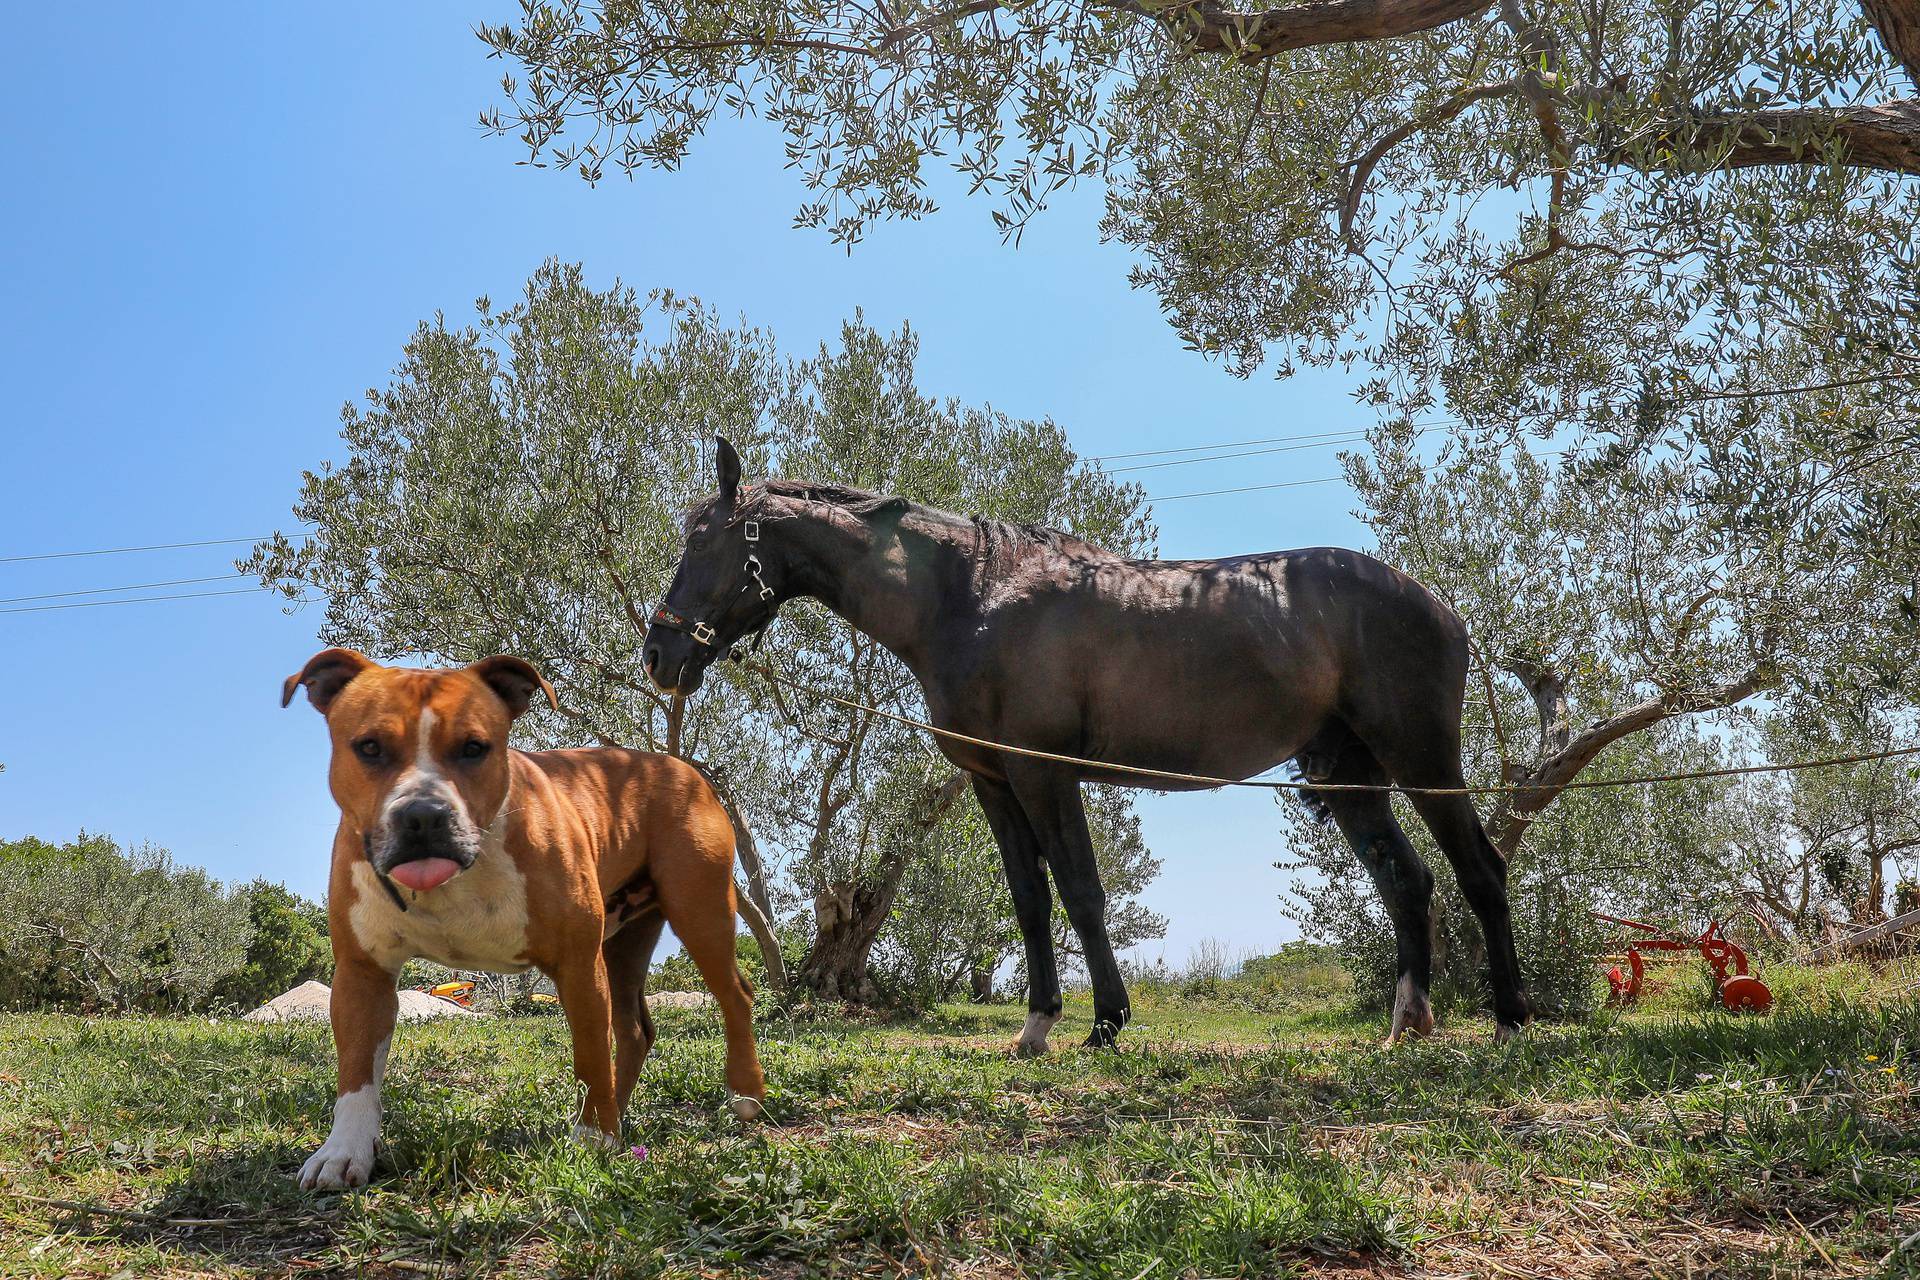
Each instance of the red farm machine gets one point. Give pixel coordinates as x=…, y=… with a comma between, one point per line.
x=1738, y=989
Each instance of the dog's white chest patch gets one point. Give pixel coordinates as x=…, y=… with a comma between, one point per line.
x=477, y=920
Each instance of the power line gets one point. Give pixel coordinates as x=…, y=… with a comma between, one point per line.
x=1235, y=444
x=1248, y=453
x=1251, y=488
x=1811, y=386
x=132, y=586
x=101, y=604
x=1431, y=424
x=158, y=546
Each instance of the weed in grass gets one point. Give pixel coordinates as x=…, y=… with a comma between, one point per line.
x=1224, y=1140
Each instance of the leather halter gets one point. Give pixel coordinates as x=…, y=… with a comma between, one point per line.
x=702, y=632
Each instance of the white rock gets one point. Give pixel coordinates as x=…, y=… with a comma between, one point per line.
x=309, y=1002
x=679, y=999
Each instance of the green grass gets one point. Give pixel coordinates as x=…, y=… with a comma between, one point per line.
x=1225, y=1140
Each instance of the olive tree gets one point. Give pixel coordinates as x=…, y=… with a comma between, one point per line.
x=91, y=925
x=519, y=487
x=1508, y=190
x=1634, y=601
x=1823, y=849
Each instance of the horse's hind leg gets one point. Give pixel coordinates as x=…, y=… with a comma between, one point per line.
x=1405, y=885
x=1482, y=873
x=1032, y=908
x=1425, y=753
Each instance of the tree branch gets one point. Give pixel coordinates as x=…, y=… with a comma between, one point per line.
x=1898, y=22
x=1547, y=779
x=1882, y=136
x=1205, y=26
x=1364, y=163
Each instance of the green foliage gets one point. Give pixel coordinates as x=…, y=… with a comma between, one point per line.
x=1688, y=183
x=518, y=487
x=90, y=925
x=286, y=946
x=1303, y=981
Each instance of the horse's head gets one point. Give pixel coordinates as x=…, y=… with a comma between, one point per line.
x=721, y=590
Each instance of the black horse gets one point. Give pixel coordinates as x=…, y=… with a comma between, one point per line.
x=1034, y=638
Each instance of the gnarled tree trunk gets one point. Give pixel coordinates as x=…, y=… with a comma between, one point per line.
x=848, y=916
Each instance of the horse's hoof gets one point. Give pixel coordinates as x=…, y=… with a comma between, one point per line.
x=1033, y=1037
x=746, y=1108
x=1507, y=1033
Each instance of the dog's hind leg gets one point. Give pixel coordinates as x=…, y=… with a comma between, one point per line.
x=700, y=906
x=628, y=953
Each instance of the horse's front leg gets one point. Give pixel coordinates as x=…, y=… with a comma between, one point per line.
x=1032, y=907
x=1050, y=798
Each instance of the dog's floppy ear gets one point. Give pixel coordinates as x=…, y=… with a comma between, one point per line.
x=726, y=466
x=325, y=675
x=516, y=681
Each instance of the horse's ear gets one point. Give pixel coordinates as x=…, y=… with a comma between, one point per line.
x=325, y=675
x=726, y=465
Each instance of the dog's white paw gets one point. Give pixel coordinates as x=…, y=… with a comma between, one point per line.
x=345, y=1159
x=595, y=1139
x=746, y=1108
x=342, y=1161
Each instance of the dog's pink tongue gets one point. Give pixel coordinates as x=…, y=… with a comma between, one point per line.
x=423, y=874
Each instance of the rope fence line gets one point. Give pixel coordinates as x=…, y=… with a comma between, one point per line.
x=1274, y=784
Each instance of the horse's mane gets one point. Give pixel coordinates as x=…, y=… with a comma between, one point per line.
x=863, y=502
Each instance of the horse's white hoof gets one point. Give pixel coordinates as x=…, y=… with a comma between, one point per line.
x=746, y=1108
x=1033, y=1037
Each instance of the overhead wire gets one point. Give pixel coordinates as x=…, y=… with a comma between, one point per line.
x=121, y=551
x=101, y=604
x=132, y=586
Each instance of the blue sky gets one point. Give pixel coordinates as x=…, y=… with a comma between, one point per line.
x=221, y=222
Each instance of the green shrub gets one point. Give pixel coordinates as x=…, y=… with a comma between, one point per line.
x=88, y=925
x=287, y=946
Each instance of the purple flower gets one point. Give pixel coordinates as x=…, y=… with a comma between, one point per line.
x=638, y=1153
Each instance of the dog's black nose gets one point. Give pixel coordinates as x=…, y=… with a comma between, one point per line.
x=422, y=818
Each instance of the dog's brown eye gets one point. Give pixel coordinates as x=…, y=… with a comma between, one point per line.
x=367, y=748
x=473, y=749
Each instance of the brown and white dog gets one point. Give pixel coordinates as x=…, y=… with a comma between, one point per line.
x=454, y=847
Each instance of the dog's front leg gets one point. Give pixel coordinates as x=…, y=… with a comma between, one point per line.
x=588, y=1004
x=363, y=1008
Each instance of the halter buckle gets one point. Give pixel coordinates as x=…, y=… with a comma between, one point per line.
x=701, y=633
x=751, y=530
